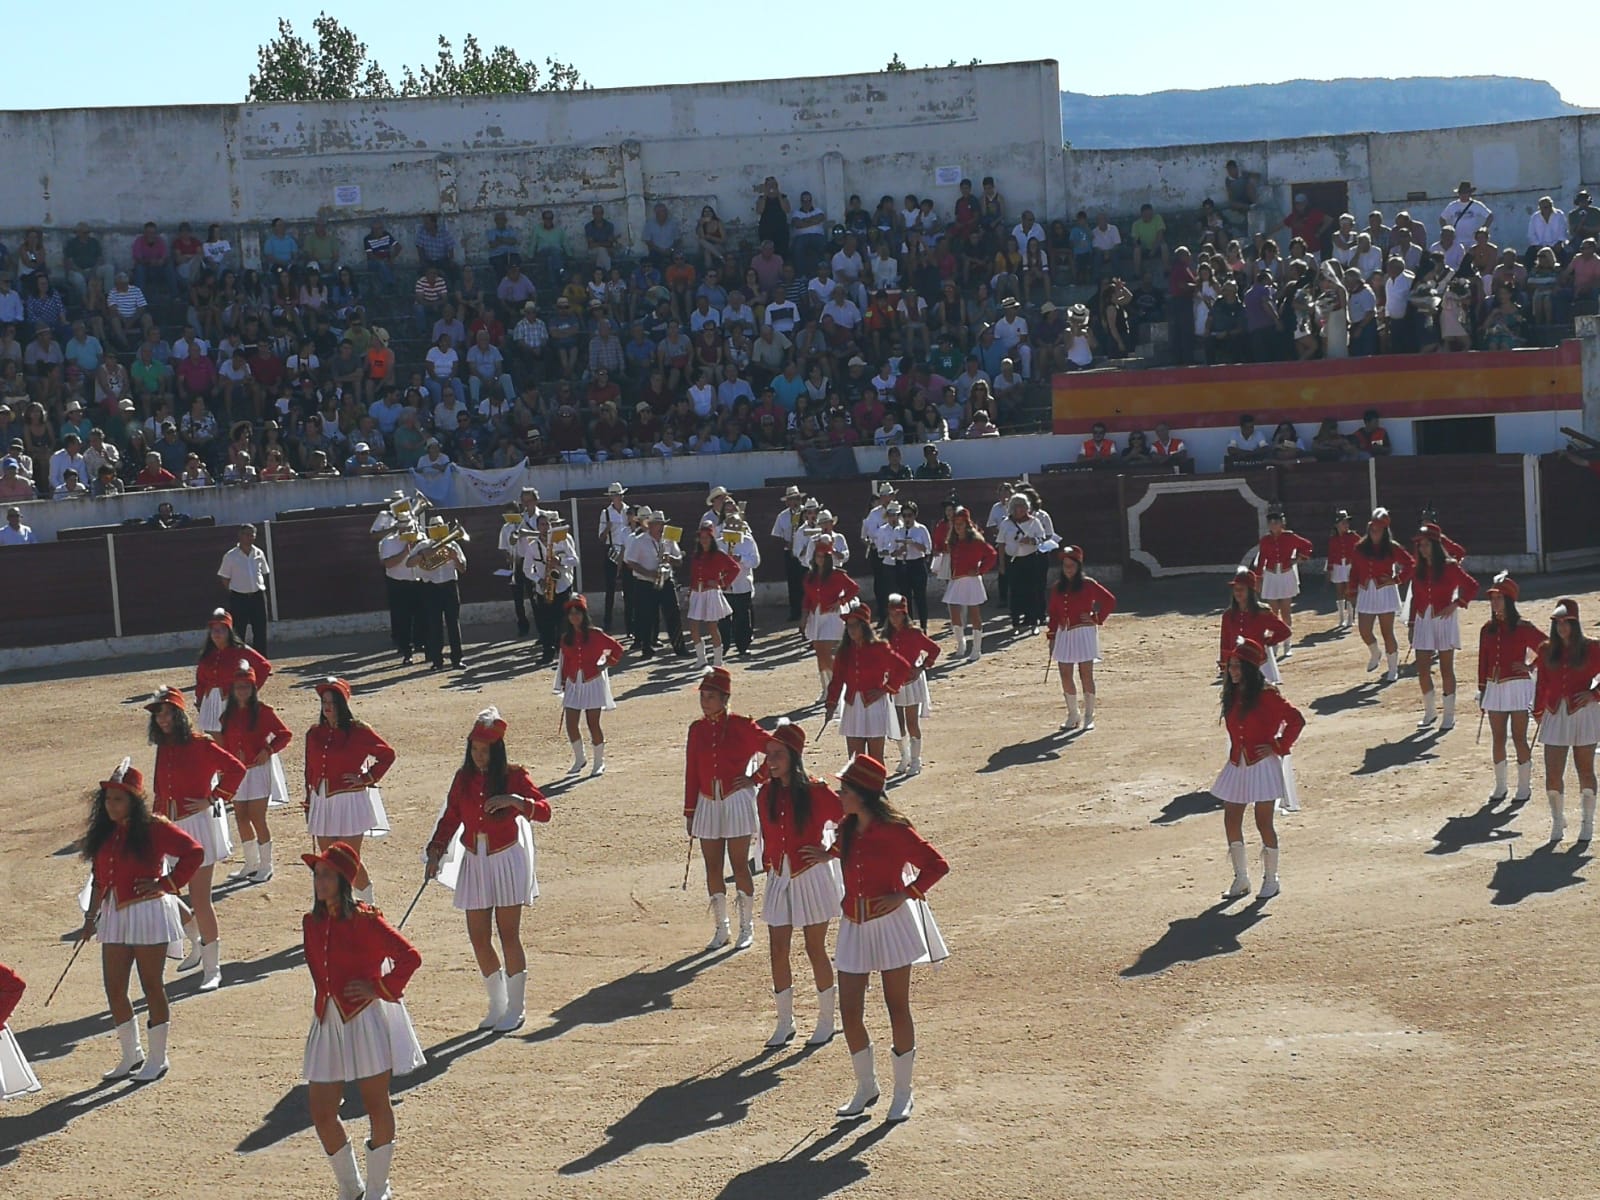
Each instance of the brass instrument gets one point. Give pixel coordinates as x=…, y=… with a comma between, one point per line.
x=664, y=576
x=440, y=538
x=416, y=506
x=733, y=523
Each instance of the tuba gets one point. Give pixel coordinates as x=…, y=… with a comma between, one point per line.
x=437, y=551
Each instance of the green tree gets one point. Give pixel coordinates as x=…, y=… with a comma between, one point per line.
x=476, y=74
x=898, y=64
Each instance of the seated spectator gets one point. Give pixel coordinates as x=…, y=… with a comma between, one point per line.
x=195, y=473
x=1168, y=448
x=68, y=458
x=276, y=468
x=154, y=474
x=1286, y=444
x=1371, y=440
x=503, y=241
x=436, y=245
x=548, y=246
x=14, y=532
x=981, y=426
x=361, y=462
x=660, y=235
x=13, y=484
x=1239, y=192
x=1504, y=326
x=1137, y=452
x=1097, y=448
x=889, y=431
x=1329, y=445
x=105, y=483
x=152, y=261
x=1149, y=237
x=1247, y=445
x=1104, y=239
x=1582, y=276
x=318, y=466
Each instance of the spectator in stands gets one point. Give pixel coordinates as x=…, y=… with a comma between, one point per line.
x=1247, y=444
x=152, y=261
x=1361, y=307
x=1168, y=448
x=548, y=246
x=13, y=484
x=85, y=260
x=1149, y=237
x=1097, y=449
x=1182, y=285
x=1240, y=192
x=1583, y=221
x=105, y=483
x=436, y=246
x=1371, y=440
x=15, y=533
x=72, y=486
x=1286, y=444
x=486, y=369
x=361, y=461
x=68, y=458
x=1448, y=248
x=1544, y=277
x=933, y=467
x=981, y=426
x=1226, y=329
x=127, y=313
x=195, y=474
x=1467, y=213
x=155, y=475
x=1582, y=276
x=1547, y=228
x=1137, y=452
x=1397, y=307
x=1504, y=325
x=661, y=236
x=1307, y=222
x=44, y=308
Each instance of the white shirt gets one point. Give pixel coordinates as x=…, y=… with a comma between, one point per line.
x=1034, y=233
x=874, y=521
x=1362, y=305
x=1008, y=331
x=63, y=461
x=1453, y=256
x=1022, y=538
x=22, y=535
x=997, y=513
x=783, y=528
x=1105, y=239
x=1370, y=260
x=388, y=548
x=1466, y=217
x=782, y=316
x=1397, y=295
x=644, y=554
x=847, y=267
x=807, y=552
x=563, y=560
x=748, y=555
x=1551, y=232
x=613, y=521
x=245, y=570
x=844, y=313
x=442, y=363
x=915, y=542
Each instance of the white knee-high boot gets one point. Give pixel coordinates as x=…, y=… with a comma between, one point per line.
x=211, y=965
x=1449, y=718
x=866, y=1085
x=599, y=759
x=915, y=766
x=1558, y=815
x=826, y=1003
x=961, y=640
x=191, y=930
x=347, y=1172
x=719, y=930
x=132, y=1051
x=155, y=1062
x=1586, y=834
x=1088, y=710
x=747, y=921
x=783, y=1033
x=494, y=984
x=379, y=1160
x=1241, y=872
x=900, y=1102
x=264, y=863
x=579, y=761
x=977, y=644
x=516, y=1002
x=1500, y=771
x=1393, y=672
x=1524, y=781
x=716, y=654
x=1269, y=873
x=700, y=653
x=1072, y=710
x=1374, y=655
x=252, y=861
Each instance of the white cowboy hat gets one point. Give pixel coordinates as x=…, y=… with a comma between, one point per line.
x=615, y=488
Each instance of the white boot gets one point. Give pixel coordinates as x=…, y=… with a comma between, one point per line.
x=719, y=932
x=1499, y=792
x=495, y=985
x=700, y=654
x=1524, y=782
x=977, y=645
x=578, y=760
x=211, y=965
x=866, y=1085
x=1586, y=834
x=905, y=756
x=826, y=1003
x=192, y=959
x=1088, y=711
x=1269, y=873
x=264, y=867
x=132, y=1052
x=961, y=641
x=251, y=864
x=516, y=991
x=1427, y=710
x=1241, y=872
x=824, y=678
x=1558, y=816
x=1393, y=672
x=747, y=921
x=783, y=1032
x=716, y=654
x=155, y=1063
x=1449, y=721
x=345, y=1170
x=1288, y=651
x=1072, y=711
x=1374, y=655
x=900, y=1103
x=379, y=1159
x=915, y=765
x=599, y=759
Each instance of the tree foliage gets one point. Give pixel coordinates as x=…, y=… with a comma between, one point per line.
x=479, y=74
x=897, y=64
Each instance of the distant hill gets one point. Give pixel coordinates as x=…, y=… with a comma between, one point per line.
x=1303, y=108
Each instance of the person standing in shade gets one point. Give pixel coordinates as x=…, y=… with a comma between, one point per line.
x=614, y=538
x=403, y=581
x=441, y=596
x=243, y=573
x=784, y=529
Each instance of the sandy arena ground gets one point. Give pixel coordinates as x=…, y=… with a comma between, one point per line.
x=1412, y=1017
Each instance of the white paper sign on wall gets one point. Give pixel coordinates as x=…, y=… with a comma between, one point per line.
x=347, y=195
x=947, y=176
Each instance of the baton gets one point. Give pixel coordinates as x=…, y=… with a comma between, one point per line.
x=1481, y=715
x=64, y=971
x=414, y=900
x=688, y=857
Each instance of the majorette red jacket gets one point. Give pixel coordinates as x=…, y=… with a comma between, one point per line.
x=581, y=662
x=713, y=571
x=868, y=671
x=1560, y=681
x=1273, y=722
x=941, y=536
x=1342, y=548
x=332, y=753
x=341, y=950
x=875, y=866
x=219, y=668
x=464, y=810
x=199, y=769
x=244, y=741
x=971, y=557
x=780, y=840
x=719, y=751
x=1436, y=593
x=1259, y=626
x=1279, y=552
x=1393, y=568
x=1503, y=653
x=1090, y=604
x=909, y=642
x=831, y=591
x=116, y=869
x=11, y=989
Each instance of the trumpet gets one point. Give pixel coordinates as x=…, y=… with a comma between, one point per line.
x=415, y=506
x=733, y=523
x=437, y=552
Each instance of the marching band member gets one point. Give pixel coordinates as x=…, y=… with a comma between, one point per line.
x=194, y=776
x=441, y=595
x=1278, y=556
x=587, y=655
x=1439, y=589
x=360, y=1031
x=1341, y=551
x=614, y=530
x=828, y=589
x=511, y=545
x=1246, y=617
x=1505, y=683
x=719, y=801
x=1569, y=718
x=403, y=582
x=651, y=557
x=1377, y=570
x=717, y=504
x=345, y=758
x=941, y=555
x=551, y=565
x=489, y=809
x=786, y=529
x=887, y=926
x=799, y=815
x=1262, y=728
x=885, y=511
x=255, y=735
x=971, y=558
x=997, y=514
x=827, y=526
x=710, y=570
x=1021, y=534
x=912, y=701
x=738, y=628
x=806, y=531
x=1078, y=607
x=213, y=674
x=913, y=549
x=16, y=1076
x=133, y=906
x=871, y=672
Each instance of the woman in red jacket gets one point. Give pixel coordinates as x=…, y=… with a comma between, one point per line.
x=485, y=833
x=1439, y=590
x=1246, y=617
x=1505, y=683
x=133, y=906
x=971, y=558
x=1278, y=556
x=1262, y=729
x=219, y=662
x=912, y=701
x=1341, y=551
x=828, y=589
x=1569, y=717
x=255, y=735
x=1078, y=607
x=16, y=1076
x=940, y=568
x=345, y=758
x=719, y=801
x=1377, y=570
x=869, y=670
x=360, y=1031
x=587, y=655
x=711, y=569
x=799, y=816
x=194, y=779
x=887, y=926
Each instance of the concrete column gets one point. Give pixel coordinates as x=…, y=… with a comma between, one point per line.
x=834, y=197
x=1588, y=329
x=635, y=213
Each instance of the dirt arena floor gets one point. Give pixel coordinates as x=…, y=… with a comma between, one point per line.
x=1412, y=1017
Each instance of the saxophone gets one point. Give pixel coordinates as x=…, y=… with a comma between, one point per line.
x=549, y=569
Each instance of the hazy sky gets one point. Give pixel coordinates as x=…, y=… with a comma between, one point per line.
x=203, y=53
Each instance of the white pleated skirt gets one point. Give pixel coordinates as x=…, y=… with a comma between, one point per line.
x=708, y=605
x=1280, y=585
x=348, y=814
x=824, y=626
x=1373, y=599
x=1563, y=728
x=733, y=816
x=211, y=706
x=915, y=695
x=941, y=566
x=809, y=898
x=1269, y=669
x=265, y=782
x=379, y=1038
x=586, y=695
x=1339, y=572
x=209, y=827
x=16, y=1076
x=508, y=878
x=1077, y=644
x=876, y=720
x=1509, y=695
x=966, y=592
x=1260, y=783
x=907, y=937
x=1436, y=633
x=153, y=921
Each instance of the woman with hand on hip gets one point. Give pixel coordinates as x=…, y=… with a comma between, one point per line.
x=911, y=702
x=971, y=558
x=868, y=670
x=1246, y=617
x=1078, y=607
x=1569, y=717
x=218, y=664
x=345, y=758
x=587, y=655
x=1277, y=557
x=1439, y=590
x=1377, y=569
x=255, y=735
x=486, y=826
x=1505, y=683
x=711, y=572
x=827, y=589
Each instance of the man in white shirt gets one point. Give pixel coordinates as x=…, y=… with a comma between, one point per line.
x=68, y=458
x=441, y=597
x=1012, y=326
x=783, y=529
x=1397, y=306
x=654, y=606
x=844, y=313
x=1448, y=248
x=1247, y=445
x=847, y=270
x=782, y=314
x=1020, y=535
x=71, y=487
x=14, y=532
x=1027, y=230
x=1546, y=227
x=1104, y=240
x=403, y=583
x=548, y=556
x=886, y=512
x=1466, y=213
x=243, y=575
x=738, y=628
x=613, y=533
x=807, y=550
x=911, y=551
